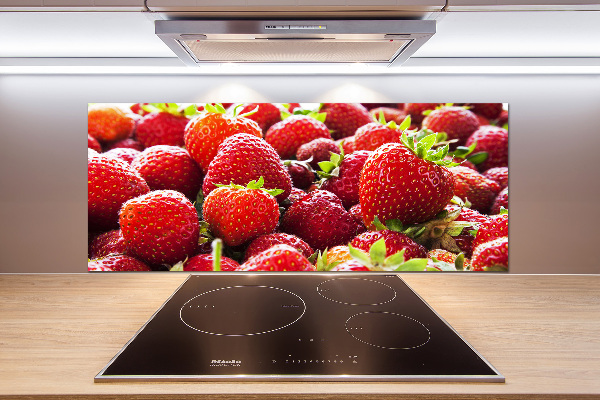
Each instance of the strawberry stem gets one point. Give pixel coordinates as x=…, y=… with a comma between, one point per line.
x=217, y=246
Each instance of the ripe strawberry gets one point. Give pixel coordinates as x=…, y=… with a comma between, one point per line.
x=108, y=123
x=318, y=149
x=137, y=109
x=265, y=242
x=225, y=106
x=301, y=173
x=117, y=262
x=350, y=266
x=266, y=115
x=111, y=183
x=288, y=135
x=471, y=185
x=394, y=243
x=123, y=154
x=243, y=158
x=453, y=262
x=457, y=122
x=165, y=125
x=494, y=141
x=502, y=118
x=160, y=227
x=338, y=254
x=398, y=182
x=416, y=110
x=292, y=106
x=356, y=213
x=94, y=144
x=372, y=106
x=495, y=227
x=280, y=257
x=389, y=114
x=500, y=201
x=170, y=168
x=347, y=144
x=205, y=132
x=464, y=240
x=239, y=214
x=498, y=175
x=320, y=220
x=111, y=242
x=491, y=256
x=204, y=262
x=343, y=119
x=295, y=195
x=128, y=143
x=342, y=176
x=486, y=110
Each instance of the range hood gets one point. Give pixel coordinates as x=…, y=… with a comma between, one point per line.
x=382, y=42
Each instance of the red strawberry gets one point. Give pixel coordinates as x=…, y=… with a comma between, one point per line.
x=343, y=119
x=374, y=134
x=416, y=110
x=320, y=219
x=266, y=115
x=498, y=175
x=265, y=242
x=347, y=144
x=94, y=144
x=160, y=227
x=495, y=227
x=389, y=114
x=482, y=120
x=204, y=262
x=123, y=154
x=280, y=257
x=345, y=181
x=108, y=123
x=128, y=143
x=301, y=173
x=356, y=213
x=319, y=149
x=471, y=185
x=117, y=262
x=111, y=183
x=239, y=214
x=165, y=125
x=372, y=106
x=502, y=118
x=500, y=201
x=206, y=132
x=243, y=158
x=486, y=110
x=292, y=106
x=491, y=256
x=111, y=242
x=445, y=256
x=395, y=183
x=457, y=122
x=225, y=106
x=288, y=135
x=171, y=168
x=350, y=266
x=464, y=240
x=137, y=109
x=295, y=195
x=494, y=141
x=394, y=243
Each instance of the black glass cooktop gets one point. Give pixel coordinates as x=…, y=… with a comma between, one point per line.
x=313, y=327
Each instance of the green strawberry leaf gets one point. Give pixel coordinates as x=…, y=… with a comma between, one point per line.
x=199, y=203
x=285, y=114
x=505, y=126
x=478, y=158
x=503, y=211
x=414, y=264
x=428, y=141
x=319, y=116
x=217, y=246
x=378, y=225
x=496, y=268
x=381, y=119
x=377, y=252
x=459, y=263
x=190, y=110
x=405, y=124
x=438, y=154
x=394, y=225
x=249, y=113
x=396, y=258
x=359, y=255
x=327, y=166
x=442, y=265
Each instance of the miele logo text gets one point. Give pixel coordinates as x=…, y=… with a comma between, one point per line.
x=225, y=363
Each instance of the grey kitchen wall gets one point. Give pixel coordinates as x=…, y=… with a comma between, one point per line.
x=554, y=147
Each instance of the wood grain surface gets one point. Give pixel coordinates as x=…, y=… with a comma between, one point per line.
x=542, y=332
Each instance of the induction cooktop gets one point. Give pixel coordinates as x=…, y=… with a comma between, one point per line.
x=297, y=327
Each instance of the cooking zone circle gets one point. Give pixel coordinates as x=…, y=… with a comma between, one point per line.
x=356, y=291
x=388, y=330
x=242, y=310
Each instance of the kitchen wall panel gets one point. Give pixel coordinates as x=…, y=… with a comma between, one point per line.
x=554, y=142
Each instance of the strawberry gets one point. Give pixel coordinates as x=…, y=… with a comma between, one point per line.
x=457, y=122
x=280, y=257
x=502, y=119
x=164, y=125
x=205, y=132
x=204, y=262
x=128, y=143
x=94, y=144
x=494, y=141
x=266, y=115
x=343, y=119
x=495, y=227
x=500, y=201
x=375, y=258
x=464, y=240
x=123, y=154
x=111, y=183
x=404, y=182
x=389, y=114
x=301, y=173
x=265, y=242
x=107, y=123
x=350, y=266
x=347, y=144
x=169, y=167
x=226, y=106
x=111, y=242
x=394, y=243
x=317, y=150
x=338, y=254
x=498, y=175
x=471, y=185
x=438, y=258
x=295, y=195
x=416, y=110
x=486, y=110
x=160, y=227
x=117, y=262
x=239, y=214
x=137, y=108
x=372, y=106
x=374, y=134
x=320, y=219
x=292, y=106
x=356, y=213
x=491, y=256
x=341, y=176
x=243, y=158
x=288, y=135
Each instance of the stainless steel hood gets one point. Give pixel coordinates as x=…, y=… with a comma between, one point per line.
x=384, y=42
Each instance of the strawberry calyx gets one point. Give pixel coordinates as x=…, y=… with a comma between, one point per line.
x=217, y=108
x=319, y=116
x=217, y=247
x=424, y=149
x=254, y=185
x=376, y=259
x=459, y=264
x=404, y=125
x=331, y=168
x=321, y=262
x=171, y=108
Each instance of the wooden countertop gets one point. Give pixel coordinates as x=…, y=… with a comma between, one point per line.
x=542, y=332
